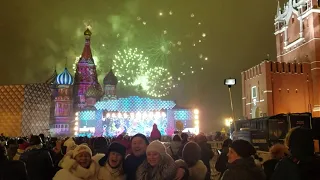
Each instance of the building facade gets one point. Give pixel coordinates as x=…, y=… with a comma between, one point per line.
x=291, y=83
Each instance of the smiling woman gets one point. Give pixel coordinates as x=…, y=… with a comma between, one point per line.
x=111, y=164
x=158, y=165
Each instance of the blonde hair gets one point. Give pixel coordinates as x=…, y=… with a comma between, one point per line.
x=287, y=138
x=278, y=151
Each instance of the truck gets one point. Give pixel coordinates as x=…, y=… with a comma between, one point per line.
x=265, y=131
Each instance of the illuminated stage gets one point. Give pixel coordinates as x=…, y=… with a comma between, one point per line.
x=134, y=115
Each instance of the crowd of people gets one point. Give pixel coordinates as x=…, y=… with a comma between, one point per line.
x=82, y=158
x=293, y=160
x=142, y=158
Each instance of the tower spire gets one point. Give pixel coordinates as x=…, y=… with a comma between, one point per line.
x=66, y=63
x=86, y=53
x=278, y=9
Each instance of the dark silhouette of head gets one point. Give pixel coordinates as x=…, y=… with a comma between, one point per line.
x=3, y=153
x=35, y=140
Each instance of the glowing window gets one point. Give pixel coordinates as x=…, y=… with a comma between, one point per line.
x=254, y=92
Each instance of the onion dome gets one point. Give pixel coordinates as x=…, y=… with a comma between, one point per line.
x=64, y=78
x=110, y=79
x=94, y=91
x=87, y=32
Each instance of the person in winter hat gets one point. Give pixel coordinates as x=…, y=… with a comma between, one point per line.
x=111, y=164
x=221, y=163
x=173, y=149
x=139, y=144
x=241, y=165
x=78, y=165
x=69, y=144
x=158, y=165
x=191, y=160
x=302, y=163
x=277, y=151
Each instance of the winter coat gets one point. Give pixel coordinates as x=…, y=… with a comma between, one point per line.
x=302, y=164
x=13, y=170
x=196, y=172
x=71, y=170
x=165, y=170
x=108, y=173
x=131, y=164
x=269, y=166
x=290, y=168
x=206, y=156
x=222, y=161
x=173, y=149
x=38, y=162
x=243, y=169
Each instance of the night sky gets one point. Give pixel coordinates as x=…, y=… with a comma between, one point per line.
x=37, y=36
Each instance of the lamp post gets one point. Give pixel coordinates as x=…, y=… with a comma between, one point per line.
x=231, y=82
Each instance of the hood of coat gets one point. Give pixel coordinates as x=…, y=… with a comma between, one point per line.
x=165, y=170
x=198, y=171
x=75, y=169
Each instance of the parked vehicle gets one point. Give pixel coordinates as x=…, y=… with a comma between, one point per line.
x=265, y=131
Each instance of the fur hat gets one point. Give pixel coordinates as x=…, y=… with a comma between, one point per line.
x=80, y=149
x=243, y=148
x=156, y=146
x=191, y=153
x=141, y=136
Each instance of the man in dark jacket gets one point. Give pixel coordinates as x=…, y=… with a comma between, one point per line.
x=241, y=165
x=38, y=160
x=222, y=161
x=11, y=170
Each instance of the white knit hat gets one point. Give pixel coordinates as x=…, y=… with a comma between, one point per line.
x=81, y=148
x=156, y=146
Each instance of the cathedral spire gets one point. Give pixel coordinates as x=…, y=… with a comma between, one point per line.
x=86, y=53
x=278, y=9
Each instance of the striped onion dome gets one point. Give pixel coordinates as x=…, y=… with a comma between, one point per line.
x=64, y=78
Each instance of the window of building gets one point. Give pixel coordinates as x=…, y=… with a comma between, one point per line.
x=254, y=92
x=301, y=68
x=289, y=67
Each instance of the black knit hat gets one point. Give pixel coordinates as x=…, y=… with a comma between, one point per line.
x=114, y=147
x=141, y=136
x=243, y=148
x=117, y=147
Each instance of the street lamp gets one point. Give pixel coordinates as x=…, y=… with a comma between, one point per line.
x=228, y=122
x=231, y=82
